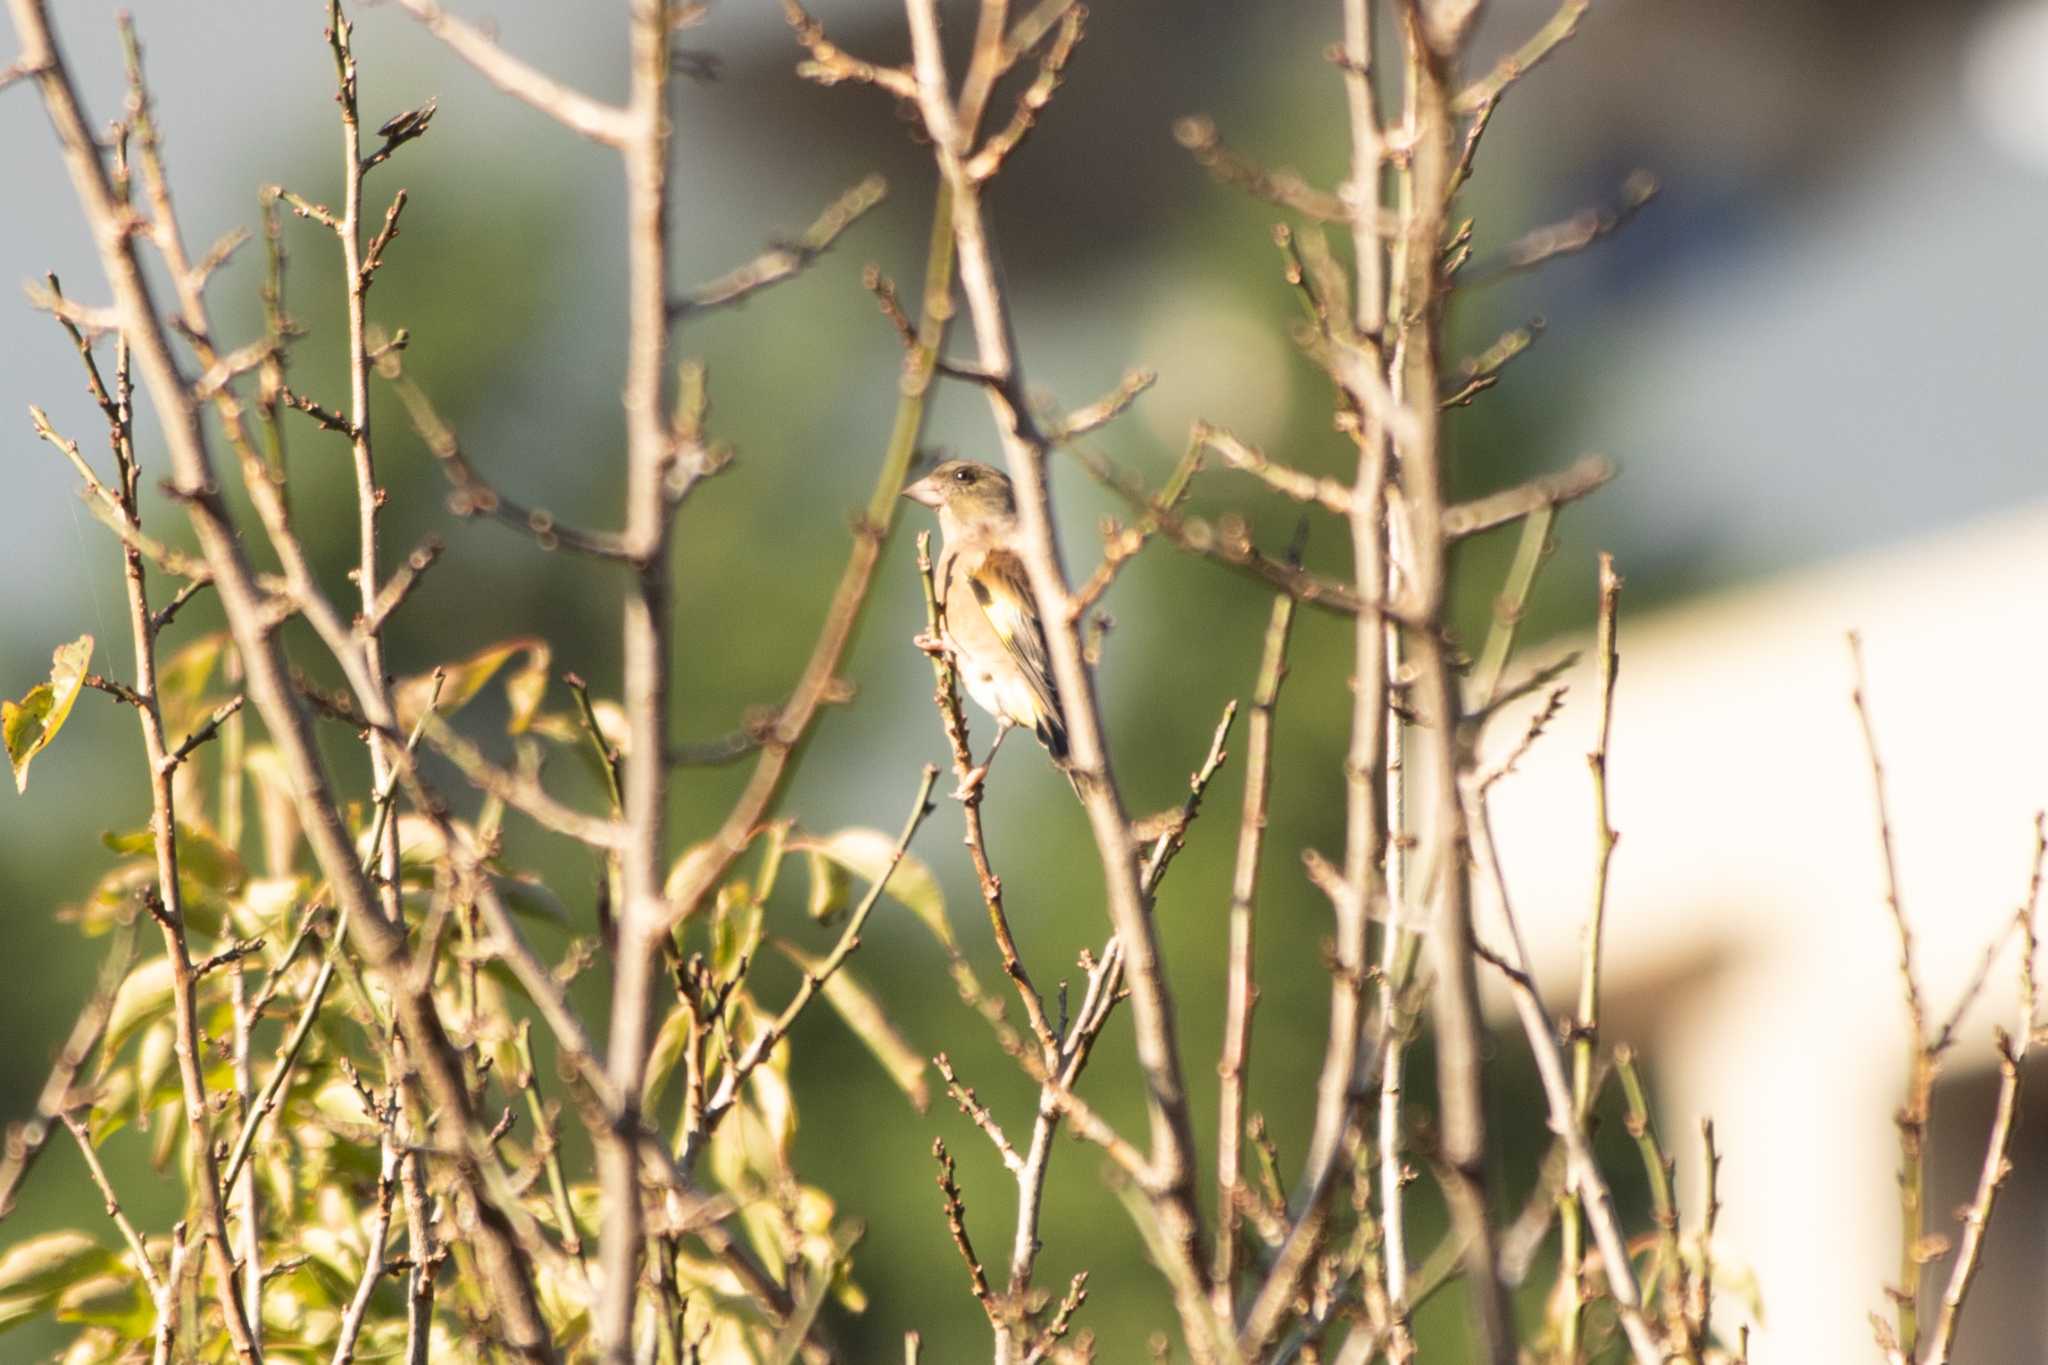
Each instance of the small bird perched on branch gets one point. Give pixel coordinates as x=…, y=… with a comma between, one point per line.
x=988, y=619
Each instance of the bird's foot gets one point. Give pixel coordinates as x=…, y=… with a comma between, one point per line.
x=930, y=644
x=971, y=783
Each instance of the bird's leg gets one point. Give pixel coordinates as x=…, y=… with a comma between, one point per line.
x=931, y=644
x=972, y=780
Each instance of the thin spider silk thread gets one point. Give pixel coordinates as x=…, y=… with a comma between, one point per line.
x=85, y=571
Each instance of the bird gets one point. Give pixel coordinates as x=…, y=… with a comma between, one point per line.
x=988, y=618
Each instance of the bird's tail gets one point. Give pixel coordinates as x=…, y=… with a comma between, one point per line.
x=1052, y=733
x=1051, y=730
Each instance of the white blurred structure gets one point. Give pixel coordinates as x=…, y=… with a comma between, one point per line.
x=1748, y=948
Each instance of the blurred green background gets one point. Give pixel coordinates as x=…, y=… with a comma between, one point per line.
x=1754, y=351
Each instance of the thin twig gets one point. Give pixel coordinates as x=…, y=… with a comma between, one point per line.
x=1913, y=1115
x=1583, y=478
x=1479, y=96
x=206, y=731
x=784, y=260
x=984, y=164
x=1302, y=487
x=1575, y=234
x=474, y=496
x=1586, y=1026
x=25, y=1140
x=974, y=1109
x=2012, y=1050
x=1657, y=1167
x=1282, y=187
x=831, y=64
x=353, y=1317
x=776, y=1028
x=578, y=112
x=1586, y=1181
x=956, y=1221
x=1241, y=995
x=522, y=791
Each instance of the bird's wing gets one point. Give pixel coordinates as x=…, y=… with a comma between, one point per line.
x=1002, y=592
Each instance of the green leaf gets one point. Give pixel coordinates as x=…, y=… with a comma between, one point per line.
x=35, y=1272
x=184, y=675
x=866, y=854
x=142, y=998
x=774, y=838
x=202, y=856
x=526, y=894
x=735, y=928
x=663, y=1056
x=864, y=1014
x=831, y=887
x=120, y=1302
x=30, y=724
x=156, y=1081
x=113, y=1103
x=790, y=1340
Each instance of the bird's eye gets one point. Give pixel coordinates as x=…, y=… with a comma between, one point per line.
x=963, y=476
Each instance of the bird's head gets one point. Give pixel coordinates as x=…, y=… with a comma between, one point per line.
x=968, y=496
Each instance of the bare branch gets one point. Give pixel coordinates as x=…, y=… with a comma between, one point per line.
x=1581, y=479
x=199, y=736
x=774, y=1030
x=1228, y=542
x=956, y=1220
x=1586, y=1026
x=474, y=496
x=1573, y=235
x=2012, y=1050
x=1104, y=410
x=1916, y=1009
x=831, y=64
x=784, y=260
x=399, y=586
x=975, y=1110
x=170, y=609
x=984, y=164
x=306, y=208
x=819, y=683
x=325, y=417
x=1240, y=994
x=25, y=1140
x=1283, y=187
x=1586, y=1180
x=1481, y=95
x=143, y=1260
x=1284, y=479
x=373, y=1253
x=521, y=792
x=1657, y=1167
x=1482, y=372
x=575, y=111
x=1121, y=544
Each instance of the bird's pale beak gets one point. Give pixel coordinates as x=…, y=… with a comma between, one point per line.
x=924, y=491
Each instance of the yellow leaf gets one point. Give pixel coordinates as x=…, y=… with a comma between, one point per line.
x=870, y=1023
x=866, y=854
x=463, y=679
x=31, y=723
